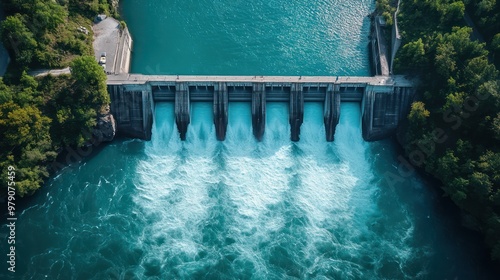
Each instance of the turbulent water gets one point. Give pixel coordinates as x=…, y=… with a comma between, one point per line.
x=242, y=209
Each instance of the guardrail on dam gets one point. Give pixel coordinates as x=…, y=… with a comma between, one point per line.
x=385, y=100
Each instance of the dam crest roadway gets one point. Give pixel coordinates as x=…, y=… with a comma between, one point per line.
x=385, y=100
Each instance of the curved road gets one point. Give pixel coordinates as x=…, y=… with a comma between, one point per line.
x=45, y=72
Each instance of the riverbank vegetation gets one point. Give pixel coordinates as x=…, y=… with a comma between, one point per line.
x=41, y=116
x=486, y=16
x=38, y=118
x=454, y=127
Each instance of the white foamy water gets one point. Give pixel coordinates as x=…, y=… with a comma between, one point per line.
x=270, y=208
x=242, y=209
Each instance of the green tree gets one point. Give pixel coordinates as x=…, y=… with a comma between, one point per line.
x=452, y=13
x=26, y=92
x=74, y=124
x=448, y=165
x=6, y=92
x=477, y=71
x=495, y=43
x=48, y=14
x=22, y=125
x=18, y=39
x=411, y=55
x=481, y=183
x=30, y=178
x=496, y=126
x=454, y=100
x=460, y=88
x=465, y=48
x=485, y=6
x=76, y=107
x=445, y=60
x=90, y=81
x=418, y=114
x=495, y=47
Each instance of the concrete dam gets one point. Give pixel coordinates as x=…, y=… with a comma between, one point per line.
x=385, y=100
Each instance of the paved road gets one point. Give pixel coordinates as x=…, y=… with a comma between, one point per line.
x=475, y=33
x=45, y=72
x=106, y=39
x=142, y=79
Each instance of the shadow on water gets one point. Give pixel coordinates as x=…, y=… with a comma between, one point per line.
x=78, y=223
x=440, y=243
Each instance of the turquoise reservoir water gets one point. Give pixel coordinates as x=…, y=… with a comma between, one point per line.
x=276, y=37
x=240, y=209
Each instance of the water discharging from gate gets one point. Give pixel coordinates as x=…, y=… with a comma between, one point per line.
x=273, y=209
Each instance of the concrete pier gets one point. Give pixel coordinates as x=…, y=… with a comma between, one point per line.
x=182, y=104
x=296, y=114
x=383, y=108
x=331, y=111
x=259, y=110
x=220, y=110
x=132, y=108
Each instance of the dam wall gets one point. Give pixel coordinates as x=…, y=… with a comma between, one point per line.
x=123, y=52
x=385, y=100
x=132, y=108
x=383, y=108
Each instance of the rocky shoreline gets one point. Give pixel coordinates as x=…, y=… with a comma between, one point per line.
x=105, y=129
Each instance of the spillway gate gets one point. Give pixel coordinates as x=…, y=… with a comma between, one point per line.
x=385, y=100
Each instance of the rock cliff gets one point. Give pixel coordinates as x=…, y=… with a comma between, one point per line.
x=105, y=129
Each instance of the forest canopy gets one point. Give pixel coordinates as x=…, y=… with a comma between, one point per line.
x=453, y=48
x=39, y=117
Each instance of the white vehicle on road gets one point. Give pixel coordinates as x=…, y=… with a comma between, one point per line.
x=102, y=59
